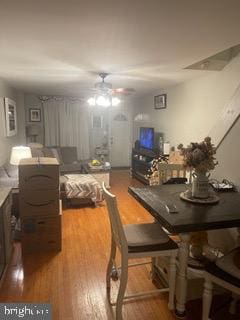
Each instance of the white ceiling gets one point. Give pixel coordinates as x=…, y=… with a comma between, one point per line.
x=59, y=46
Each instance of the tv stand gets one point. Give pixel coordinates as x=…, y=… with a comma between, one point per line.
x=141, y=162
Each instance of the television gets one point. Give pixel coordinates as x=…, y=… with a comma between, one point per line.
x=146, y=138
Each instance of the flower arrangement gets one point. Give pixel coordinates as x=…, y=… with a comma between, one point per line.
x=199, y=156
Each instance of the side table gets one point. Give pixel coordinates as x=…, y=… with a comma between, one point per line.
x=6, y=240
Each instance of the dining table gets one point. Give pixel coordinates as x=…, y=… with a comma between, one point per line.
x=188, y=217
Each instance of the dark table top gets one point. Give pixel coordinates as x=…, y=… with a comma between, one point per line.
x=190, y=217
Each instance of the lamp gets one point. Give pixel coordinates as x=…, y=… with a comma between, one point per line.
x=18, y=153
x=103, y=96
x=103, y=100
x=33, y=131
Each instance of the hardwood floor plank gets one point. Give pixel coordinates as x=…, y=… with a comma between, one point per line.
x=73, y=281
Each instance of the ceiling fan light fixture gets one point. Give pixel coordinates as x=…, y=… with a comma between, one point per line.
x=103, y=101
x=104, y=94
x=115, y=101
x=91, y=101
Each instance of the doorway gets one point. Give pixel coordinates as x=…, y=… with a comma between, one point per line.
x=120, y=137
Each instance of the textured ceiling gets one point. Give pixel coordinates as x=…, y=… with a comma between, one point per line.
x=218, y=61
x=58, y=47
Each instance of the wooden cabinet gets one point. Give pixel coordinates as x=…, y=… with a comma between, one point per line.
x=39, y=202
x=40, y=207
x=6, y=239
x=8, y=236
x=2, y=247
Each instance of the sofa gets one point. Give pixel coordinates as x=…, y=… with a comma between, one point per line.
x=8, y=176
x=66, y=156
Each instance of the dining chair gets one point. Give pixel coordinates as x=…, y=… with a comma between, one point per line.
x=224, y=272
x=171, y=171
x=136, y=241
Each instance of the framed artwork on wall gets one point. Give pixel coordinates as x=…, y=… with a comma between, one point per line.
x=10, y=117
x=34, y=115
x=160, y=101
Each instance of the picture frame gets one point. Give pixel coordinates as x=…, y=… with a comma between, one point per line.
x=34, y=115
x=10, y=112
x=160, y=101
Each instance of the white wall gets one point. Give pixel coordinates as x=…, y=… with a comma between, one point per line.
x=228, y=156
x=6, y=143
x=192, y=109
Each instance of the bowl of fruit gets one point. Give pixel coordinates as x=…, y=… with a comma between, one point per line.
x=95, y=163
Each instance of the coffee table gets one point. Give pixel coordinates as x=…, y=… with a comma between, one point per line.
x=100, y=173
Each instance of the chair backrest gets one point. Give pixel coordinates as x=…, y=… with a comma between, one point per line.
x=169, y=170
x=115, y=220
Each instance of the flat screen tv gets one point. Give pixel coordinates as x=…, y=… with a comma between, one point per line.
x=146, y=138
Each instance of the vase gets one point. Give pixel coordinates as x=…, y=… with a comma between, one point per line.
x=200, y=185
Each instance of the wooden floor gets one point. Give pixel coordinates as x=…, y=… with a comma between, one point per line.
x=73, y=281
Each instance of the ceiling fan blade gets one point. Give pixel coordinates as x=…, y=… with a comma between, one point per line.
x=124, y=91
x=103, y=87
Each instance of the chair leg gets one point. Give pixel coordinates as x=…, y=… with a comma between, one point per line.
x=122, y=287
x=207, y=299
x=172, y=282
x=153, y=268
x=109, y=268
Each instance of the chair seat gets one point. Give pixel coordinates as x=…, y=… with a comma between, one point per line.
x=227, y=263
x=213, y=269
x=226, y=273
x=147, y=237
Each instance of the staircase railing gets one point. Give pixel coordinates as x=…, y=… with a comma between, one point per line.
x=226, y=119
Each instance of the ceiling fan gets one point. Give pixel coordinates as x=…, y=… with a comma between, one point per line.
x=105, y=95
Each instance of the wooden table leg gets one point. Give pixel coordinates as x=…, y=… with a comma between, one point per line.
x=181, y=292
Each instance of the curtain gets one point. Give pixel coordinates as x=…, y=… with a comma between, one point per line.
x=66, y=124
x=51, y=122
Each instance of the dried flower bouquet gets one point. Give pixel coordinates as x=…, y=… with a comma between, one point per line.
x=199, y=156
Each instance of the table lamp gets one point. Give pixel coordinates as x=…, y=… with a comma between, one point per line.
x=18, y=153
